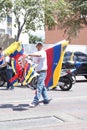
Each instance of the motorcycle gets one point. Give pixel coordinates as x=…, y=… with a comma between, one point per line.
x=67, y=79
x=71, y=69
x=65, y=82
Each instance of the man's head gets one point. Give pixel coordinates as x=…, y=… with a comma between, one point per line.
x=39, y=46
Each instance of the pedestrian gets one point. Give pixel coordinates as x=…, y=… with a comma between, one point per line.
x=9, y=72
x=41, y=61
x=6, y=68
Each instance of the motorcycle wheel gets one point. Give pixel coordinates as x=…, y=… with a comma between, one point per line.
x=33, y=83
x=67, y=84
x=2, y=82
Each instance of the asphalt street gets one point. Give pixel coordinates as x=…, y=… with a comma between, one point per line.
x=66, y=111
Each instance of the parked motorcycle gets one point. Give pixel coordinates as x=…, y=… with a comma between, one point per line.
x=65, y=82
x=67, y=79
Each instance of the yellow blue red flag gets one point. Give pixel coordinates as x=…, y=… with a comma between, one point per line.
x=15, y=50
x=55, y=56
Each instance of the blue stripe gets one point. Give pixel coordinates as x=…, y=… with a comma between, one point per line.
x=56, y=58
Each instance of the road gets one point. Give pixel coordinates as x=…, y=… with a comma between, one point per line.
x=66, y=111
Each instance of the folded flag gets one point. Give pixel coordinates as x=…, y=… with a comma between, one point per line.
x=55, y=56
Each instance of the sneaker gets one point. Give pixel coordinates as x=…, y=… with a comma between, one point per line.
x=47, y=101
x=33, y=104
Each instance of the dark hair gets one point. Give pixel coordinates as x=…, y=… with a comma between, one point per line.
x=39, y=43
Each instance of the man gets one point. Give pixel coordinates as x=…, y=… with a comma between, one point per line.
x=41, y=60
x=6, y=68
x=9, y=72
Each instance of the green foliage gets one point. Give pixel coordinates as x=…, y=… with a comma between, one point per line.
x=70, y=15
x=28, y=14
x=49, y=13
x=5, y=7
x=34, y=39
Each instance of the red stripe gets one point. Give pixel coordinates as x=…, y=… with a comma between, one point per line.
x=49, y=53
x=15, y=77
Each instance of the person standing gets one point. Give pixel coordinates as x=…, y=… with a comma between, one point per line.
x=6, y=68
x=41, y=61
x=9, y=72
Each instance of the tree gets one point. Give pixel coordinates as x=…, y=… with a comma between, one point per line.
x=5, y=7
x=33, y=39
x=28, y=15
x=70, y=15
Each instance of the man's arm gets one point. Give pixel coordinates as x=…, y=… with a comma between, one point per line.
x=34, y=55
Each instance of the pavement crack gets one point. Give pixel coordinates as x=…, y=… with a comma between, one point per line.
x=59, y=118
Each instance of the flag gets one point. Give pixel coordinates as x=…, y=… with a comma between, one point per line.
x=29, y=73
x=15, y=50
x=24, y=72
x=18, y=72
x=55, y=56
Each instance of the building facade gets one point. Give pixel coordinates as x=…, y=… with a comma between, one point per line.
x=55, y=34
x=6, y=25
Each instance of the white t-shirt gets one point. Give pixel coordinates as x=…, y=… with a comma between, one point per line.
x=41, y=61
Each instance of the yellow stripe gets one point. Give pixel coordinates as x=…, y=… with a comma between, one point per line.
x=12, y=64
x=12, y=48
x=32, y=77
x=57, y=71
x=28, y=75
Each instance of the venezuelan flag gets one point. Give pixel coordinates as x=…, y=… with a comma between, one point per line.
x=18, y=72
x=55, y=56
x=15, y=50
x=17, y=53
x=14, y=80
x=29, y=74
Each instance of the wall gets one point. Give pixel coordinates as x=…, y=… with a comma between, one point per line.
x=55, y=35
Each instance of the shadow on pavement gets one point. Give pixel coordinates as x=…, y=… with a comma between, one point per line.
x=19, y=107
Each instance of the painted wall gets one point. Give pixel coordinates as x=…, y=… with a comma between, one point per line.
x=55, y=35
